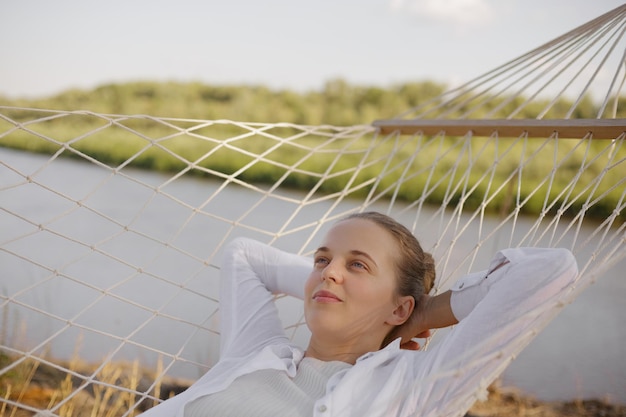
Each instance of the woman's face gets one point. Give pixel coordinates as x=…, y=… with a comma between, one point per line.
x=351, y=292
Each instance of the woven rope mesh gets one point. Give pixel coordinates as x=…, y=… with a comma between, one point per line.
x=106, y=260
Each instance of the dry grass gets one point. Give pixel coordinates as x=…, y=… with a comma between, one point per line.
x=76, y=389
x=511, y=403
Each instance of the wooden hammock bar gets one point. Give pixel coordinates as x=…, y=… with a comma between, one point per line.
x=565, y=128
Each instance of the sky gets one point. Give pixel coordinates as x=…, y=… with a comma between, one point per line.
x=50, y=46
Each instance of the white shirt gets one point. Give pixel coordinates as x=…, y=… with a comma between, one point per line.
x=499, y=313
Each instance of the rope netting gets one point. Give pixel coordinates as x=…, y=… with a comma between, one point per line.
x=109, y=269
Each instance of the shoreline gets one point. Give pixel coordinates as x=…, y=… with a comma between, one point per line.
x=77, y=388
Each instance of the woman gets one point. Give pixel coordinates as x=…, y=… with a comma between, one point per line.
x=364, y=300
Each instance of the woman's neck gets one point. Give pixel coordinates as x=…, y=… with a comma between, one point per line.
x=345, y=352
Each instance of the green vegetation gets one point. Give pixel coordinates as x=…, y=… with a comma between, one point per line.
x=337, y=103
x=210, y=150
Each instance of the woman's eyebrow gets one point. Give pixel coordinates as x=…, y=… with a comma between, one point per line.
x=365, y=255
x=354, y=252
x=322, y=249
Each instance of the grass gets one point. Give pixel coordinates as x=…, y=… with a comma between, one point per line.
x=33, y=385
x=74, y=389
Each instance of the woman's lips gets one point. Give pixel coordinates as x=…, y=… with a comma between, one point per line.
x=324, y=296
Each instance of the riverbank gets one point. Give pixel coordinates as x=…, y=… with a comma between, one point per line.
x=110, y=390
x=325, y=158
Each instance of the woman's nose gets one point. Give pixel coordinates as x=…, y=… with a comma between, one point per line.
x=332, y=272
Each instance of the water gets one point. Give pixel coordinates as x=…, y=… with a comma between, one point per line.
x=113, y=308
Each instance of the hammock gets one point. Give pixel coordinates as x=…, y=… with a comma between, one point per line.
x=117, y=266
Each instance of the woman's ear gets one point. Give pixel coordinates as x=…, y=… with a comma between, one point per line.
x=403, y=310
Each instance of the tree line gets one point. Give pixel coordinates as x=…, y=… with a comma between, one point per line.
x=336, y=103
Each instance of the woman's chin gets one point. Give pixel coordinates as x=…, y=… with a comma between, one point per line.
x=321, y=323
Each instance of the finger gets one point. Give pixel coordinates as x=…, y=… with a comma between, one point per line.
x=423, y=335
x=410, y=345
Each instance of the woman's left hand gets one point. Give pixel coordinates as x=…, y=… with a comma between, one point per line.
x=432, y=313
x=412, y=344
x=415, y=327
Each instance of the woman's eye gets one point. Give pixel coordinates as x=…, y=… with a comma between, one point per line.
x=358, y=264
x=320, y=261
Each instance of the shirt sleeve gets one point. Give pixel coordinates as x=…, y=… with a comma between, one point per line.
x=251, y=273
x=470, y=289
x=500, y=312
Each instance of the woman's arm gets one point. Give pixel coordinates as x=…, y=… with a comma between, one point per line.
x=500, y=311
x=251, y=273
x=437, y=312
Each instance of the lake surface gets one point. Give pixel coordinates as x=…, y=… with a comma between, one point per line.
x=80, y=291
